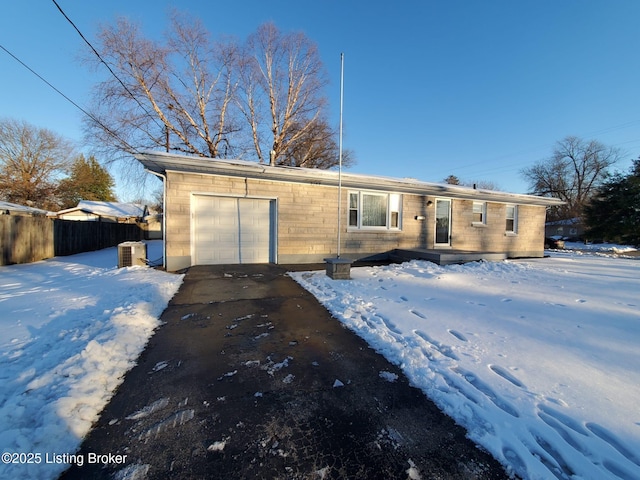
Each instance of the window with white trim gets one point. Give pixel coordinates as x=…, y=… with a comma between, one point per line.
x=511, y=219
x=375, y=211
x=479, y=213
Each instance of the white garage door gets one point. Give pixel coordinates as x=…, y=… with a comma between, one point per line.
x=231, y=230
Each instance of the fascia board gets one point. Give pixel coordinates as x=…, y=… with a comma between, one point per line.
x=161, y=162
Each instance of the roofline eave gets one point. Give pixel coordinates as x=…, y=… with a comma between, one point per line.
x=161, y=162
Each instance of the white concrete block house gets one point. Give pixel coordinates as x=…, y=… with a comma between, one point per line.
x=232, y=211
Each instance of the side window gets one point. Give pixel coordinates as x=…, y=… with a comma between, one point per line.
x=512, y=219
x=395, y=202
x=353, y=209
x=480, y=212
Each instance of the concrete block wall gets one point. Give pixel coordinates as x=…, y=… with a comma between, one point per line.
x=307, y=217
x=492, y=236
x=307, y=221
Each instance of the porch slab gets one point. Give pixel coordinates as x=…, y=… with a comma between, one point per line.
x=445, y=256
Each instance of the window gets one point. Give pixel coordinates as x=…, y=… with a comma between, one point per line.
x=368, y=210
x=512, y=219
x=479, y=213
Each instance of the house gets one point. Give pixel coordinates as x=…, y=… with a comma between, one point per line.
x=232, y=211
x=7, y=208
x=571, y=228
x=94, y=211
x=152, y=226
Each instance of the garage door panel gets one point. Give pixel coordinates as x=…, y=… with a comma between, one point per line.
x=231, y=230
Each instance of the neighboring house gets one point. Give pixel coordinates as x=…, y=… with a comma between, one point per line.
x=571, y=228
x=232, y=211
x=94, y=211
x=152, y=225
x=7, y=208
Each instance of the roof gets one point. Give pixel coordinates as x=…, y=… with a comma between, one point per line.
x=21, y=209
x=567, y=221
x=108, y=209
x=161, y=163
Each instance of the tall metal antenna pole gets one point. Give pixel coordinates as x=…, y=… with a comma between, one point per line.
x=340, y=152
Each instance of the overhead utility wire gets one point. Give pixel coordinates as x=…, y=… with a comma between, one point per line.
x=106, y=64
x=518, y=165
x=92, y=117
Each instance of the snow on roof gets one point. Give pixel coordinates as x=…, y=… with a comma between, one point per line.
x=161, y=162
x=14, y=207
x=567, y=221
x=109, y=209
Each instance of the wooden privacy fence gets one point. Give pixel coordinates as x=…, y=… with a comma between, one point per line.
x=72, y=237
x=25, y=239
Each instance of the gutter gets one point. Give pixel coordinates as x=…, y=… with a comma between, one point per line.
x=161, y=162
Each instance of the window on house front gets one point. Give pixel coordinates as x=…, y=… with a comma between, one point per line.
x=512, y=219
x=480, y=212
x=368, y=210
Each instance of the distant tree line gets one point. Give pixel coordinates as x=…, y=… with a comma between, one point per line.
x=40, y=168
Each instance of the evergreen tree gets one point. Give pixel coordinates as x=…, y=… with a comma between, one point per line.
x=88, y=180
x=614, y=213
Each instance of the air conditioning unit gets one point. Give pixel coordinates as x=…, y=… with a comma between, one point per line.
x=131, y=254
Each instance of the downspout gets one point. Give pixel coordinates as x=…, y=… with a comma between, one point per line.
x=164, y=217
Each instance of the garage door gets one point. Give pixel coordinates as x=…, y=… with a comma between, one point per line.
x=231, y=230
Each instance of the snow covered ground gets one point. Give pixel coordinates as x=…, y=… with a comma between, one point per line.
x=70, y=328
x=539, y=359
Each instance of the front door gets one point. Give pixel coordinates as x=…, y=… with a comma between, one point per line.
x=443, y=222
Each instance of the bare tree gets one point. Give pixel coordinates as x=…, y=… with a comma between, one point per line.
x=32, y=160
x=481, y=184
x=174, y=96
x=315, y=148
x=282, y=80
x=193, y=95
x=572, y=173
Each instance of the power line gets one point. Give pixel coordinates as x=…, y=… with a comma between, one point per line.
x=514, y=166
x=105, y=64
x=92, y=117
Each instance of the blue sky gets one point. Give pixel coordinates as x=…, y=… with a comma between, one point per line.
x=478, y=89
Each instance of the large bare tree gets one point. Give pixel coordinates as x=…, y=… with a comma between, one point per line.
x=173, y=95
x=281, y=94
x=315, y=147
x=262, y=98
x=32, y=161
x=572, y=173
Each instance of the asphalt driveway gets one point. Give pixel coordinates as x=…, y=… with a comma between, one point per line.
x=250, y=377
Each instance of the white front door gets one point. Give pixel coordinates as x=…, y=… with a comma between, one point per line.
x=228, y=230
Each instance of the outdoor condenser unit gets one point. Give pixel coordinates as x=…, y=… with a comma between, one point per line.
x=131, y=254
